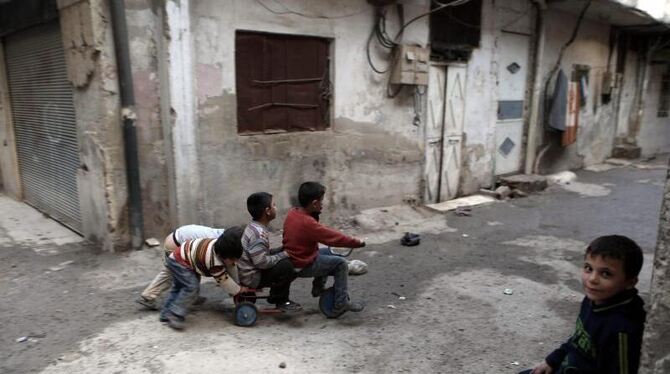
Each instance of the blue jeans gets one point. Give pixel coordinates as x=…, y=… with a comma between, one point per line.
x=184, y=291
x=326, y=265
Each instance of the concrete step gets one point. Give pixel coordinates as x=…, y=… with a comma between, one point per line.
x=527, y=183
x=626, y=151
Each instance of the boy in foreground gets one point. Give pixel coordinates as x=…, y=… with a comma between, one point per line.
x=608, y=334
x=302, y=235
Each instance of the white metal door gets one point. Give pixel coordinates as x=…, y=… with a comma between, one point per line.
x=513, y=69
x=444, y=129
x=454, y=115
x=434, y=131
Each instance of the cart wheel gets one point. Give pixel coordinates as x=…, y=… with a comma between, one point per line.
x=245, y=314
x=327, y=303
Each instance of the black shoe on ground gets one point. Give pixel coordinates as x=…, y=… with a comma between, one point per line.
x=174, y=321
x=200, y=300
x=289, y=306
x=349, y=306
x=317, y=290
x=149, y=304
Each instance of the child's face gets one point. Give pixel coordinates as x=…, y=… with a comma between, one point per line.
x=604, y=278
x=316, y=206
x=271, y=211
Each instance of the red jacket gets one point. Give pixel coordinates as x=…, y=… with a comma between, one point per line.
x=302, y=235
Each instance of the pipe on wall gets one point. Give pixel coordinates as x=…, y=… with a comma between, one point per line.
x=120, y=31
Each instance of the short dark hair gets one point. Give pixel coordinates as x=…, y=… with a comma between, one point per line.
x=310, y=191
x=229, y=244
x=621, y=248
x=257, y=202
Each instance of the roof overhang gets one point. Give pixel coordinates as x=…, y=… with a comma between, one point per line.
x=629, y=14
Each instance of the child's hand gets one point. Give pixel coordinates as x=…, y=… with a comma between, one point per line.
x=542, y=368
x=244, y=289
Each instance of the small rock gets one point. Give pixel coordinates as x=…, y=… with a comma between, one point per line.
x=152, y=242
x=22, y=339
x=465, y=235
x=282, y=365
x=508, y=291
x=515, y=363
x=503, y=192
x=391, y=306
x=402, y=298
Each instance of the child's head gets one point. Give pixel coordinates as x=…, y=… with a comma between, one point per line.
x=261, y=206
x=310, y=196
x=611, y=265
x=228, y=247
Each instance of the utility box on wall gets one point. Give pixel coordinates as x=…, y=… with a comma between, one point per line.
x=410, y=65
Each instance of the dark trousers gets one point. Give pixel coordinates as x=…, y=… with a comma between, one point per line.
x=278, y=278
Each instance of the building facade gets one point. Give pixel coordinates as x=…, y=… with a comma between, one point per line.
x=381, y=101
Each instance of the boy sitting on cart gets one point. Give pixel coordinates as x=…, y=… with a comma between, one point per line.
x=301, y=238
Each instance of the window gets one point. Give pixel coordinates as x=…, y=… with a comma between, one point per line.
x=664, y=97
x=455, y=30
x=283, y=83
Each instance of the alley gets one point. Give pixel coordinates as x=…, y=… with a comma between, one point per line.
x=437, y=307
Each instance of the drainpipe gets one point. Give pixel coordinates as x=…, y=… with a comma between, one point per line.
x=118, y=12
x=536, y=93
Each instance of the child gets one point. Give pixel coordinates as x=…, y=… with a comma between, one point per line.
x=163, y=281
x=303, y=233
x=261, y=266
x=208, y=257
x=609, y=328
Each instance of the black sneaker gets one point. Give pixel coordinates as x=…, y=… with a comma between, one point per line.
x=317, y=290
x=200, y=300
x=174, y=321
x=349, y=306
x=149, y=304
x=289, y=307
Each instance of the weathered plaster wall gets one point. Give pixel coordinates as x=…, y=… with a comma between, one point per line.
x=371, y=155
x=9, y=167
x=654, y=133
x=480, y=108
x=89, y=54
x=597, y=127
x=144, y=31
x=627, y=91
x=656, y=344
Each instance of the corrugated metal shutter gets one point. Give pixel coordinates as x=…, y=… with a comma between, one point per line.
x=44, y=122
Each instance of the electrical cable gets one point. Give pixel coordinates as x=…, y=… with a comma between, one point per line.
x=440, y=7
x=367, y=54
x=296, y=13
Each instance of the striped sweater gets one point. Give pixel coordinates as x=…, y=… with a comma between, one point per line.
x=198, y=255
x=257, y=254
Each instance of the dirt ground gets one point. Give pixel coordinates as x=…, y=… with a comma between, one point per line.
x=437, y=308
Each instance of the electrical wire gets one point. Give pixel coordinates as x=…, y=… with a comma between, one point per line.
x=288, y=10
x=440, y=7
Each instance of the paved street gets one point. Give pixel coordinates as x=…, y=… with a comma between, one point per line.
x=437, y=307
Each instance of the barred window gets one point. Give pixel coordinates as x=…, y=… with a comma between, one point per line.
x=283, y=83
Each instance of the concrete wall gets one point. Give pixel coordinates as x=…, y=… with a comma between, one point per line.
x=627, y=93
x=597, y=127
x=656, y=343
x=371, y=156
x=89, y=54
x=654, y=134
x=9, y=166
x=144, y=29
x=480, y=107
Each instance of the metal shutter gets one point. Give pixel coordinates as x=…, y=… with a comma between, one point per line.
x=44, y=122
